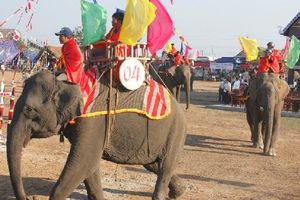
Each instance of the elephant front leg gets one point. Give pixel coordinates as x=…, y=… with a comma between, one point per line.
x=256, y=137
x=275, y=132
x=94, y=187
x=75, y=171
x=82, y=163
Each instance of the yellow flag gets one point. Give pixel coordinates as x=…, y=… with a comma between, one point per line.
x=138, y=15
x=168, y=47
x=250, y=48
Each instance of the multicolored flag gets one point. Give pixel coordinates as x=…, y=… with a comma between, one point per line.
x=138, y=15
x=94, y=19
x=161, y=29
x=293, y=53
x=250, y=48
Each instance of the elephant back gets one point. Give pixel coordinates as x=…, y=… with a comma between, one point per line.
x=151, y=99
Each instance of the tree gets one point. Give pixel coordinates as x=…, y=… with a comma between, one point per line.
x=78, y=35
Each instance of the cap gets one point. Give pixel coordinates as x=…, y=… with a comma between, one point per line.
x=271, y=44
x=118, y=10
x=65, y=31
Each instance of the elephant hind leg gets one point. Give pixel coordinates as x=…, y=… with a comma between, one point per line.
x=176, y=185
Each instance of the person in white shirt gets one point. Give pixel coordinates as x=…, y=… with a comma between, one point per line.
x=221, y=88
x=236, y=84
x=226, y=91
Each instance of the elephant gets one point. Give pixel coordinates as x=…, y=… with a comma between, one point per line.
x=263, y=109
x=173, y=77
x=45, y=108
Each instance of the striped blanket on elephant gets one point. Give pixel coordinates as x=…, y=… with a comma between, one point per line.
x=151, y=100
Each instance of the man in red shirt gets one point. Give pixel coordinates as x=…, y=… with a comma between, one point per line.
x=271, y=61
x=71, y=60
x=71, y=63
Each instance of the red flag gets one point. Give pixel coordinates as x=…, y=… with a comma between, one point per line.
x=161, y=29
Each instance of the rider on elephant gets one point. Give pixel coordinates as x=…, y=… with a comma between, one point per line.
x=70, y=64
x=270, y=62
x=71, y=60
x=114, y=33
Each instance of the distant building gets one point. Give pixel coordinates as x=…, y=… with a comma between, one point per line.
x=293, y=28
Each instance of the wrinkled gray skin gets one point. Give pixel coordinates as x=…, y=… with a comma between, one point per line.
x=45, y=104
x=263, y=109
x=176, y=76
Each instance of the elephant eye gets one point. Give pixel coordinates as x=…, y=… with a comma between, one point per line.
x=30, y=112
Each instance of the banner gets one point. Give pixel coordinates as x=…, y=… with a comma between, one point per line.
x=94, y=19
x=223, y=66
x=8, y=51
x=293, y=53
x=250, y=48
x=161, y=29
x=138, y=15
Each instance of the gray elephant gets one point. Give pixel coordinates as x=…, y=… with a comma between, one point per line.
x=45, y=107
x=263, y=108
x=173, y=78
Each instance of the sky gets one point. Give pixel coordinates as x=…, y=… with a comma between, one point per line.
x=211, y=26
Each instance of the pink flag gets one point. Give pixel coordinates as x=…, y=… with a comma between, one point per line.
x=286, y=47
x=161, y=29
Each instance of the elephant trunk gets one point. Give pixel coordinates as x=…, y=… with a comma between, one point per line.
x=269, y=119
x=15, y=141
x=187, y=87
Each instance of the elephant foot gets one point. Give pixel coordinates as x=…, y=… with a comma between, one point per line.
x=271, y=152
x=258, y=145
x=177, y=187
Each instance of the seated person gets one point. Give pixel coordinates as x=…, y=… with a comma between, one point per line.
x=178, y=59
x=111, y=36
x=270, y=62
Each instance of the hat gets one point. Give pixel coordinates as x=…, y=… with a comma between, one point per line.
x=271, y=44
x=118, y=10
x=65, y=31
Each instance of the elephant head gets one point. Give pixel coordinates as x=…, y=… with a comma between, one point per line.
x=264, y=106
x=44, y=106
x=173, y=77
x=182, y=76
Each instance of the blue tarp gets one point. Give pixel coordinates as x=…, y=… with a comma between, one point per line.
x=8, y=51
x=233, y=60
x=30, y=54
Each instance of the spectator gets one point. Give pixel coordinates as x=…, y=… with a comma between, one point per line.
x=221, y=89
x=226, y=91
x=236, y=84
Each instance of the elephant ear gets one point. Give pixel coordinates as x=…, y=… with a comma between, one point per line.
x=68, y=101
x=284, y=89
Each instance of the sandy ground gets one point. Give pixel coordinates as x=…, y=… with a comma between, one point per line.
x=218, y=161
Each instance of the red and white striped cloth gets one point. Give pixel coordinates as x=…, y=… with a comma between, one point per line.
x=156, y=101
x=90, y=88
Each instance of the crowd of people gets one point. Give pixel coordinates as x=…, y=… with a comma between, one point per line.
x=230, y=84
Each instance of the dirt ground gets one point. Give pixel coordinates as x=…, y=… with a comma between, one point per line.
x=218, y=161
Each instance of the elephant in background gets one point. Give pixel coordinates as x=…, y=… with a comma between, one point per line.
x=45, y=108
x=173, y=78
x=263, y=109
